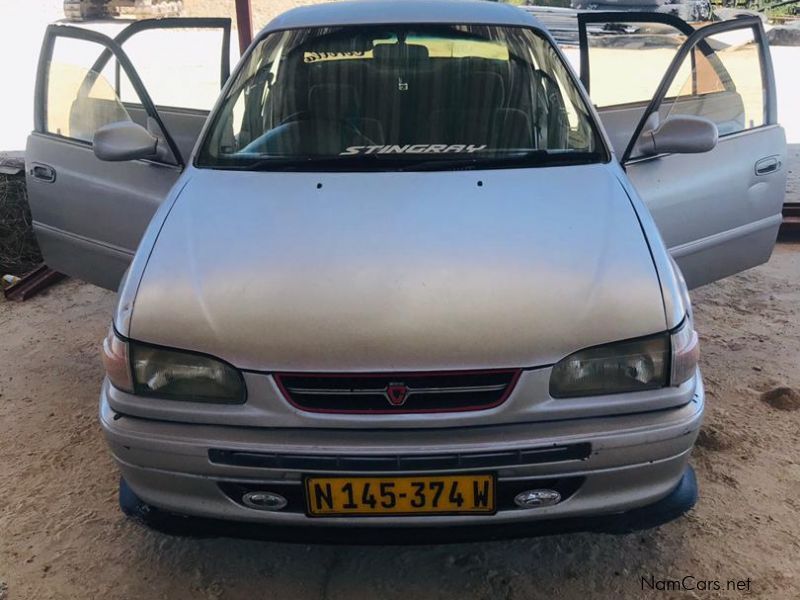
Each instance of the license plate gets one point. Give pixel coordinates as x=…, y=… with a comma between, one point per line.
x=445, y=494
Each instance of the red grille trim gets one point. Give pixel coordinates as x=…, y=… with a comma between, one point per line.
x=287, y=383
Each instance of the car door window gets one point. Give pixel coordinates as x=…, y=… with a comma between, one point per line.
x=199, y=49
x=728, y=90
x=720, y=78
x=74, y=94
x=623, y=57
x=80, y=99
x=183, y=63
x=623, y=61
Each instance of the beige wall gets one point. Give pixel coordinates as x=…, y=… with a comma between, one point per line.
x=263, y=10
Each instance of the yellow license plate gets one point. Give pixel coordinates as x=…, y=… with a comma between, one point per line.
x=436, y=494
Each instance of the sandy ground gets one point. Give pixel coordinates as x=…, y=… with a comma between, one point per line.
x=62, y=536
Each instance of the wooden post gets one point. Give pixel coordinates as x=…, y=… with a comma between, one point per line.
x=244, y=23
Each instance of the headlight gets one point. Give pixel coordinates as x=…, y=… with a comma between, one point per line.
x=630, y=366
x=171, y=374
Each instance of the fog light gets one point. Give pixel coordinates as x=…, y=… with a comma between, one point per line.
x=536, y=498
x=264, y=500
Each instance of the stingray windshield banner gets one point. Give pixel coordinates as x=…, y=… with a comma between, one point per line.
x=414, y=149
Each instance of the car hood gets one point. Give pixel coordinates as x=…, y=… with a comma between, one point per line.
x=405, y=271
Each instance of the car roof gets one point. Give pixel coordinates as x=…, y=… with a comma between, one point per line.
x=368, y=12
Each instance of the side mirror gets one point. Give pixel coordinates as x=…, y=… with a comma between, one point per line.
x=124, y=140
x=681, y=134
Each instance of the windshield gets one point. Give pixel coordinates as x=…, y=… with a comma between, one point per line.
x=401, y=97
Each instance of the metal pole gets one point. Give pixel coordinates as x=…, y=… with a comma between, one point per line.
x=244, y=23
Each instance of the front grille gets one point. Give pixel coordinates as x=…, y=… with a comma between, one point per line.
x=393, y=463
x=397, y=392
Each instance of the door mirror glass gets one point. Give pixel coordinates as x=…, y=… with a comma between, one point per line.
x=124, y=140
x=680, y=134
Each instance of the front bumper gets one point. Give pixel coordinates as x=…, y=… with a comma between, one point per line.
x=633, y=461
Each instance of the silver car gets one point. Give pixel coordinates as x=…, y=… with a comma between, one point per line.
x=407, y=274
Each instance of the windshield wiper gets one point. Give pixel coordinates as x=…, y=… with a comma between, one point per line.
x=532, y=158
x=403, y=163
x=314, y=163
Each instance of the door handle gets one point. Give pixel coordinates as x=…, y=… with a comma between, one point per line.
x=768, y=165
x=44, y=173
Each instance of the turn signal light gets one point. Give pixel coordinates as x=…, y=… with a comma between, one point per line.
x=117, y=361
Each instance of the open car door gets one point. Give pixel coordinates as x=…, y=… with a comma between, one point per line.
x=88, y=214
x=719, y=211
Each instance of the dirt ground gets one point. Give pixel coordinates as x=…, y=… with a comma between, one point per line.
x=62, y=536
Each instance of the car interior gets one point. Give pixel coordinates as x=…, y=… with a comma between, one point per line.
x=401, y=95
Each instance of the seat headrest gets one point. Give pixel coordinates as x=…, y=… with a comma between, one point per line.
x=486, y=88
x=333, y=100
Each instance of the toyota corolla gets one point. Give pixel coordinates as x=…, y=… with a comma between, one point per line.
x=405, y=274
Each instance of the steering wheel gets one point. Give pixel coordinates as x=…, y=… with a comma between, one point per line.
x=308, y=116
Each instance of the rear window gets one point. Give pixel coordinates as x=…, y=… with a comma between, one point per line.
x=401, y=97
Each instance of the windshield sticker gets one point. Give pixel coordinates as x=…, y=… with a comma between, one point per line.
x=437, y=48
x=312, y=57
x=413, y=149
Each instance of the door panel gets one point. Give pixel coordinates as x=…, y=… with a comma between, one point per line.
x=89, y=220
x=716, y=215
x=717, y=212
x=89, y=215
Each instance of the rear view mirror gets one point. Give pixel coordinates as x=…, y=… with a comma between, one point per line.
x=400, y=55
x=124, y=140
x=680, y=134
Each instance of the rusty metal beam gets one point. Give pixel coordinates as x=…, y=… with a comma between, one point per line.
x=791, y=217
x=32, y=283
x=244, y=23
